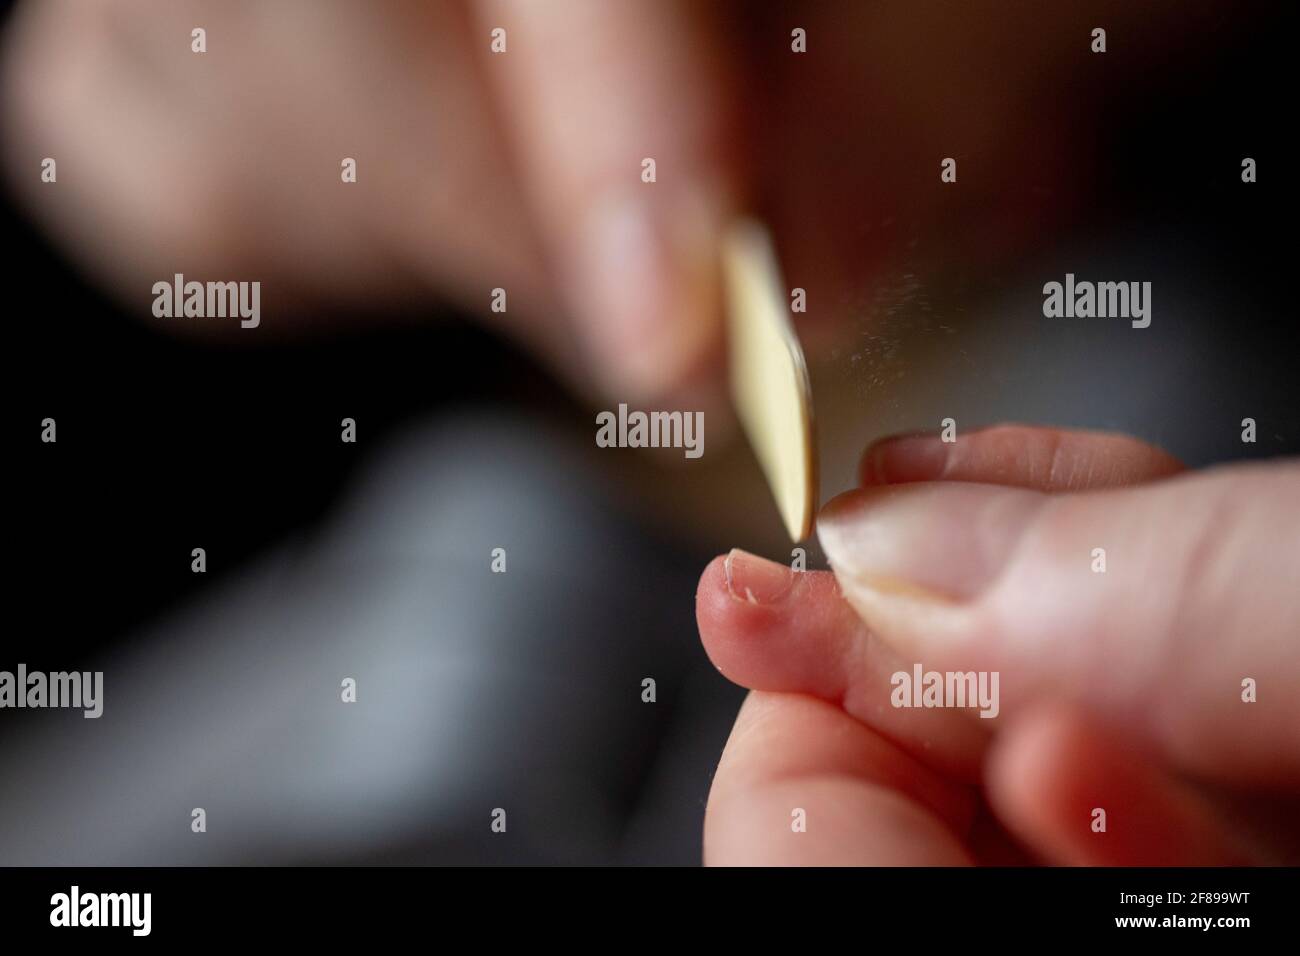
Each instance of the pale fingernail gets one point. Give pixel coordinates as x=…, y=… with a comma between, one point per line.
x=943, y=543
x=756, y=580
x=645, y=287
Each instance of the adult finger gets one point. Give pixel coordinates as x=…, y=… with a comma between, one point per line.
x=1083, y=797
x=1022, y=456
x=593, y=92
x=1170, y=609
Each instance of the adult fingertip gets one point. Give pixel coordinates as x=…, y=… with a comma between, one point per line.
x=938, y=543
x=642, y=273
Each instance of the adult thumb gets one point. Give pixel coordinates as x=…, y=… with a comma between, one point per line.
x=1170, y=611
x=619, y=115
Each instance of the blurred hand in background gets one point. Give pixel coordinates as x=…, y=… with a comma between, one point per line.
x=523, y=169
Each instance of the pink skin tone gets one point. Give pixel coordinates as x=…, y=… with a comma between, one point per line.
x=1119, y=691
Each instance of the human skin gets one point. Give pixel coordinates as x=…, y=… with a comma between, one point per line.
x=522, y=170
x=478, y=172
x=1121, y=691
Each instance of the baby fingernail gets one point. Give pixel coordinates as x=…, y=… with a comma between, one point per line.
x=756, y=580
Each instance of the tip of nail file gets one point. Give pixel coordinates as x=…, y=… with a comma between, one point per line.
x=769, y=377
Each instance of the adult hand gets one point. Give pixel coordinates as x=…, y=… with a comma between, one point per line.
x=475, y=170
x=523, y=169
x=1128, y=690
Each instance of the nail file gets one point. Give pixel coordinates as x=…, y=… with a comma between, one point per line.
x=769, y=378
